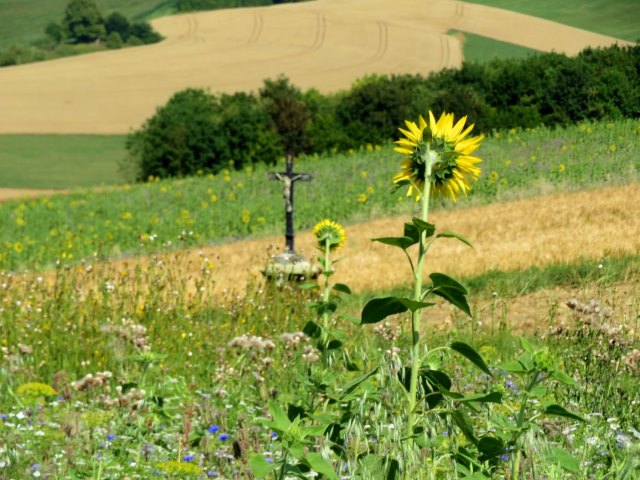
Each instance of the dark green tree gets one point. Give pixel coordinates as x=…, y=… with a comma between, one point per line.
x=83, y=21
x=197, y=131
x=375, y=107
x=144, y=32
x=118, y=23
x=286, y=107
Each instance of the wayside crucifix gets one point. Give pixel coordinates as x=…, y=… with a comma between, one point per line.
x=288, y=179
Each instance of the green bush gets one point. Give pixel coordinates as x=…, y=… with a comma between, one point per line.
x=197, y=131
x=375, y=106
x=549, y=89
x=289, y=113
x=83, y=21
x=118, y=23
x=114, y=40
x=144, y=32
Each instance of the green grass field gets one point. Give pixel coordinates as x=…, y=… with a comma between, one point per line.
x=60, y=161
x=182, y=213
x=483, y=49
x=24, y=21
x=617, y=18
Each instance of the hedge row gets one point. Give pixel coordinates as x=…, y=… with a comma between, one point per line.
x=199, y=131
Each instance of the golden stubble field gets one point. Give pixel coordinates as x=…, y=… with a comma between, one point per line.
x=325, y=44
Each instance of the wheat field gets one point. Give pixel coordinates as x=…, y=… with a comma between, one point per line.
x=326, y=44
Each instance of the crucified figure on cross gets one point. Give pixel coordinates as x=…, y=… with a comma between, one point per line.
x=288, y=178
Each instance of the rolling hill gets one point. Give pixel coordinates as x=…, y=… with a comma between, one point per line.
x=326, y=44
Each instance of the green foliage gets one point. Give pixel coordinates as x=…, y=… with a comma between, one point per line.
x=83, y=21
x=289, y=113
x=199, y=132
x=516, y=164
x=118, y=23
x=81, y=31
x=375, y=106
x=114, y=40
x=144, y=32
x=25, y=21
x=55, y=32
x=195, y=5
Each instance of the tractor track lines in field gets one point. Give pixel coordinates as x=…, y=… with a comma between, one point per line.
x=445, y=52
x=458, y=13
x=321, y=33
x=383, y=42
x=256, y=31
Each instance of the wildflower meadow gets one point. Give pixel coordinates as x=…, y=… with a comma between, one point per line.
x=138, y=373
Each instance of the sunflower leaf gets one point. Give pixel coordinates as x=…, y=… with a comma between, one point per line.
x=378, y=309
x=401, y=242
x=341, y=287
x=452, y=291
x=559, y=411
x=454, y=235
x=423, y=226
x=470, y=354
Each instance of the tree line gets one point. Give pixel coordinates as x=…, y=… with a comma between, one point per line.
x=200, y=131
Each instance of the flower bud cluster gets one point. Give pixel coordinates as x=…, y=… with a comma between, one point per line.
x=632, y=361
x=131, y=332
x=310, y=354
x=293, y=339
x=254, y=343
x=90, y=381
x=387, y=331
x=133, y=399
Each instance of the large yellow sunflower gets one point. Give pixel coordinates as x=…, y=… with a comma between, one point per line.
x=445, y=145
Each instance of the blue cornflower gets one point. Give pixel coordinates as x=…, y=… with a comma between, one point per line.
x=274, y=435
x=188, y=458
x=3, y=417
x=213, y=473
x=213, y=429
x=511, y=385
x=445, y=434
x=269, y=460
x=223, y=436
x=111, y=437
x=504, y=457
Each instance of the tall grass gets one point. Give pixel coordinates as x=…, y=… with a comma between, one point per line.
x=173, y=379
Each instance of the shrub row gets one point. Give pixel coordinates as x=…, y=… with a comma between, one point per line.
x=198, y=131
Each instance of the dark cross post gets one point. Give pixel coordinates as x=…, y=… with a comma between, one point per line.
x=288, y=179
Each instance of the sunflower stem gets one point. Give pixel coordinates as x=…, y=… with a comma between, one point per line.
x=327, y=290
x=417, y=295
